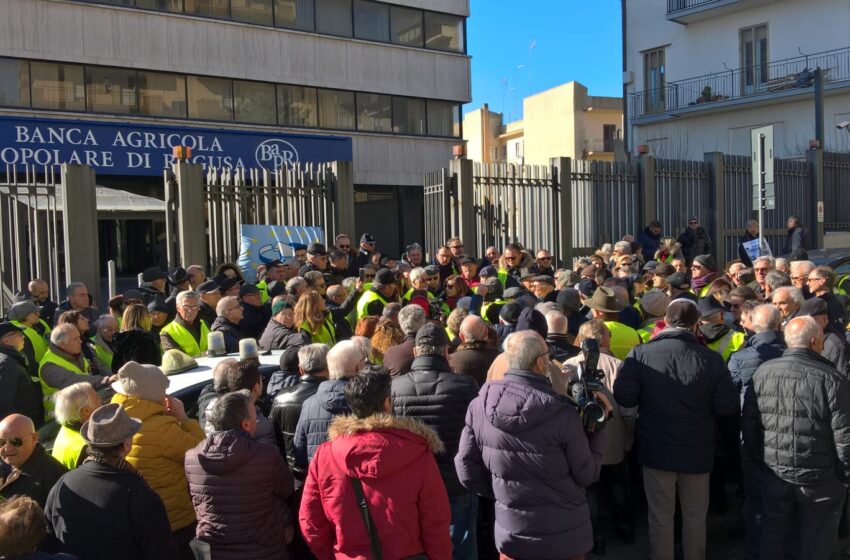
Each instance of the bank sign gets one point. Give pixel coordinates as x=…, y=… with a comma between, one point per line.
x=130, y=149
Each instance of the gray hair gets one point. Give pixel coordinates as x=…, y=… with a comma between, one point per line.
x=769, y=260
x=795, y=293
x=225, y=304
x=429, y=350
x=411, y=318
x=800, y=331
x=364, y=343
x=71, y=400
x=777, y=279
x=335, y=290
x=230, y=410
x=73, y=287
x=103, y=319
x=473, y=329
x=557, y=322
x=797, y=265
x=60, y=333
x=313, y=358
x=188, y=295
x=194, y=268
x=418, y=273
x=624, y=247
x=345, y=359
x=350, y=283
x=523, y=348
x=780, y=262
x=295, y=283
x=545, y=307
x=765, y=318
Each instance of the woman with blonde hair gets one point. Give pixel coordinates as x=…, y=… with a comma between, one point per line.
x=312, y=317
x=135, y=342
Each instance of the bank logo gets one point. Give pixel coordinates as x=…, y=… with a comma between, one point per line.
x=276, y=154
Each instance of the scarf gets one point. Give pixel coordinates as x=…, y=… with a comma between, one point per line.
x=699, y=283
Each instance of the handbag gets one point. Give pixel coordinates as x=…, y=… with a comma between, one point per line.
x=374, y=542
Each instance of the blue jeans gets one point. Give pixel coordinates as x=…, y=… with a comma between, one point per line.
x=464, y=516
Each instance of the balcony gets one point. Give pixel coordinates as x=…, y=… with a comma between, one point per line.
x=689, y=11
x=719, y=89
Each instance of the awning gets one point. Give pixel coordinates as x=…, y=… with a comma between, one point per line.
x=108, y=200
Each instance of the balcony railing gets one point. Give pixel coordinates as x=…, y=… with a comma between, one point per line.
x=599, y=145
x=678, y=5
x=737, y=83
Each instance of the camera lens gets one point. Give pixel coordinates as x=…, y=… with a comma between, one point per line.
x=594, y=412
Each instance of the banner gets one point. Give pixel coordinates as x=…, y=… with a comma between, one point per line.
x=753, y=250
x=263, y=244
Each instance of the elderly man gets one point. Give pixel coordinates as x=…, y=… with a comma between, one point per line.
x=717, y=334
x=543, y=287
x=64, y=365
x=40, y=292
x=187, y=332
x=558, y=338
x=227, y=322
x=103, y=493
x=74, y=406
x=281, y=332
x=382, y=292
x=414, y=255
x=607, y=305
x=761, y=266
x=475, y=354
x=536, y=461
x=317, y=259
x=78, y=299
x=197, y=276
x=336, y=295
x=345, y=360
x=255, y=313
x=209, y=294
x=106, y=326
x=543, y=264
x=836, y=349
x=398, y=359
x=154, y=281
x=788, y=300
x=25, y=316
x=821, y=281
x=18, y=393
x=27, y=469
x=803, y=492
x=431, y=393
x=800, y=274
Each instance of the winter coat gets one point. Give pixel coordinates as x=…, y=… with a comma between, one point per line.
x=101, y=511
x=560, y=348
x=836, y=312
x=524, y=446
x=797, y=418
x=742, y=253
x=207, y=314
x=264, y=432
x=254, y=320
x=18, y=393
x=438, y=398
x=394, y=459
x=278, y=337
x=159, y=448
x=836, y=349
x=231, y=332
x=136, y=346
x=239, y=489
x=499, y=368
x=286, y=410
x=695, y=242
x=317, y=413
x=679, y=387
x=473, y=359
x=796, y=243
x=758, y=349
x=649, y=243
x=34, y=479
x=399, y=358
x=90, y=313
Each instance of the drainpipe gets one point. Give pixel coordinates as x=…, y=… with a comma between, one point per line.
x=628, y=129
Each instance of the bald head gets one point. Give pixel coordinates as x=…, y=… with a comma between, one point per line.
x=14, y=429
x=557, y=322
x=473, y=329
x=804, y=332
x=765, y=318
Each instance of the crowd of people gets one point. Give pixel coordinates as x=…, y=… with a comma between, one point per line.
x=477, y=406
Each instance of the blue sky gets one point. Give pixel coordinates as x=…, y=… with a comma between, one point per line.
x=572, y=40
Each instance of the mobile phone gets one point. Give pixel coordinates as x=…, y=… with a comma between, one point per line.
x=362, y=274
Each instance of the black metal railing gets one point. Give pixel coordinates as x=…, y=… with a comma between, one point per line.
x=736, y=83
x=679, y=5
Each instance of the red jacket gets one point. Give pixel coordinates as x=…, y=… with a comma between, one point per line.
x=394, y=459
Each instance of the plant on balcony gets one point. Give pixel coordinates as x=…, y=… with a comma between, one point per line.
x=707, y=96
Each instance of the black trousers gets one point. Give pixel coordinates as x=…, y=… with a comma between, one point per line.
x=611, y=500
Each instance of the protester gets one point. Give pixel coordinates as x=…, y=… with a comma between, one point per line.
x=18, y=393
x=387, y=334
x=312, y=318
x=560, y=343
x=695, y=240
x=787, y=300
x=796, y=240
x=281, y=333
x=399, y=358
x=255, y=314
x=821, y=282
x=606, y=305
x=25, y=316
x=476, y=352
x=836, y=348
x=78, y=299
x=74, y=406
x=27, y=469
x=187, y=332
x=22, y=531
x=229, y=315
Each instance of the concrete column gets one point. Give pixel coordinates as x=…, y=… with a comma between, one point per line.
x=79, y=226
x=344, y=203
x=562, y=170
x=815, y=159
x=717, y=188
x=648, y=210
x=465, y=205
x=191, y=222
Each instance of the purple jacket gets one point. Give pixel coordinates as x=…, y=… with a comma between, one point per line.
x=524, y=445
x=239, y=489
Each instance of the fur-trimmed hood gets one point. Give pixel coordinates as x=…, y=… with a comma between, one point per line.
x=351, y=425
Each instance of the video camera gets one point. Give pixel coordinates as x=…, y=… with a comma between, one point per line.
x=584, y=387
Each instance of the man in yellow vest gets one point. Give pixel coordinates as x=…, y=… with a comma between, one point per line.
x=275, y=272
x=652, y=307
x=186, y=332
x=716, y=332
x=25, y=316
x=74, y=406
x=107, y=326
x=606, y=305
x=64, y=365
x=383, y=291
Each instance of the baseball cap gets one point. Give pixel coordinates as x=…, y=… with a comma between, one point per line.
x=248, y=289
x=367, y=238
x=7, y=327
x=280, y=305
x=432, y=335
x=682, y=313
x=679, y=281
x=510, y=312
x=317, y=249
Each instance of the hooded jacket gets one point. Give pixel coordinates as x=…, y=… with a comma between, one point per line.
x=317, y=413
x=525, y=446
x=394, y=460
x=159, y=448
x=239, y=489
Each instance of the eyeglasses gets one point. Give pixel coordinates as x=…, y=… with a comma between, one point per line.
x=344, y=246
x=696, y=266
x=14, y=442
x=761, y=270
x=511, y=258
x=813, y=278
x=191, y=307
x=544, y=258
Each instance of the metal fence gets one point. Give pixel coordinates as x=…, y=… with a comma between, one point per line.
x=437, y=207
x=682, y=190
x=836, y=183
x=604, y=203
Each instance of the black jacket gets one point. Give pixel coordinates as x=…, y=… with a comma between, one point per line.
x=742, y=253
x=18, y=393
x=137, y=346
x=231, y=332
x=254, y=320
x=34, y=479
x=207, y=314
x=836, y=349
x=796, y=243
x=286, y=410
x=278, y=337
x=560, y=348
x=835, y=311
x=679, y=387
x=438, y=398
x=100, y=511
x=473, y=359
x=758, y=349
x=339, y=315
x=797, y=418
x=695, y=243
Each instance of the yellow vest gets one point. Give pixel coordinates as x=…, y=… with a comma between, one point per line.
x=486, y=307
x=39, y=344
x=51, y=358
x=104, y=354
x=502, y=275
x=729, y=344
x=327, y=334
x=264, y=291
x=185, y=340
x=623, y=339
x=68, y=447
x=365, y=300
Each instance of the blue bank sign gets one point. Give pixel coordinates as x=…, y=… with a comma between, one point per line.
x=130, y=149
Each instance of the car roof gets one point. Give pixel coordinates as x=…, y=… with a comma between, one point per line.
x=203, y=374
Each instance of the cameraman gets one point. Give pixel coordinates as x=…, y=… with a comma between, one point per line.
x=612, y=495
x=539, y=458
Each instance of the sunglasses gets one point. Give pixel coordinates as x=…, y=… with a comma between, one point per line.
x=344, y=246
x=696, y=266
x=544, y=258
x=455, y=246
x=15, y=442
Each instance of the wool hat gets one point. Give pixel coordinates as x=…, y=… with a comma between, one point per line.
x=510, y=312
x=289, y=360
x=655, y=303
x=706, y=261
x=158, y=304
x=248, y=289
x=431, y=334
x=605, y=300
x=367, y=238
x=317, y=249
x=21, y=310
x=533, y=320
x=175, y=361
x=108, y=426
x=154, y=273
x=708, y=306
x=178, y=276
x=682, y=313
x=812, y=307
x=6, y=327
x=487, y=271
x=140, y=380
x=679, y=281
x=280, y=305
x=569, y=300
x=384, y=277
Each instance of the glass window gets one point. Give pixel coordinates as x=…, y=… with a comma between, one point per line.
x=406, y=26
x=374, y=112
x=443, y=118
x=254, y=102
x=210, y=98
x=58, y=86
x=653, y=81
x=371, y=21
x=336, y=109
x=295, y=14
x=111, y=90
x=214, y=8
x=252, y=11
x=333, y=17
x=443, y=32
x=161, y=5
x=296, y=106
x=162, y=95
x=408, y=115
x=14, y=83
